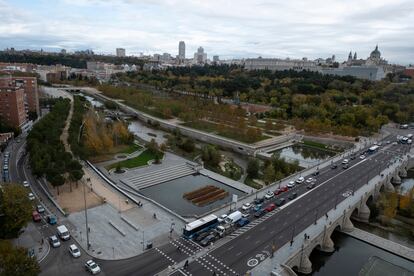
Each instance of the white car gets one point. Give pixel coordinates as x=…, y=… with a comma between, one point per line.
x=345, y=161
x=222, y=218
x=300, y=180
x=54, y=241
x=291, y=184
x=310, y=180
x=26, y=184
x=92, y=267
x=362, y=157
x=269, y=195
x=40, y=209
x=74, y=251
x=245, y=215
x=246, y=206
x=31, y=196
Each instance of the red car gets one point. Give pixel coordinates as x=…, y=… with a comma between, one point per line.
x=284, y=188
x=36, y=217
x=270, y=207
x=277, y=192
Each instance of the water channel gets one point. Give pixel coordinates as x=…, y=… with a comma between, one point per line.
x=307, y=156
x=351, y=254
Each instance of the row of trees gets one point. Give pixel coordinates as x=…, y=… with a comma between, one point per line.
x=322, y=103
x=47, y=154
x=15, y=212
x=271, y=170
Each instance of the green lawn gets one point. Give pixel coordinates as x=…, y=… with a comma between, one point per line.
x=140, y=160
x=227, y=132
x=131, y=148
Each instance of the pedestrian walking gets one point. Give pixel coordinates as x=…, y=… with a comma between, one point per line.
x=186, y=264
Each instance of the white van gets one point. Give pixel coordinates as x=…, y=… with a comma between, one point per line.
x=63, y=232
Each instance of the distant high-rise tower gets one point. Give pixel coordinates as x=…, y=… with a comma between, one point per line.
x=181, y=50
x=120, y=52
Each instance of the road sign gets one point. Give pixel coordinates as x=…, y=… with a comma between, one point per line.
x=235, y=197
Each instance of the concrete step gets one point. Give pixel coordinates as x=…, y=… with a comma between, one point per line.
x=166, y=174
x=150, y=175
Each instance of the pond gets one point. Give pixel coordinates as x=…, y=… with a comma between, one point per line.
x=170, y=194
x=306, y=156
x=350, y=256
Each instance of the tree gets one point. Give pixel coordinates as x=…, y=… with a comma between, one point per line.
x=269, y=174
x=253, y=168
x=15, y=261
x=16, y=209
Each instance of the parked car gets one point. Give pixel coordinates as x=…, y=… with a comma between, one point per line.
x=207, y=240
x=277, y=191
x=291, y=184
x=259, y=213
x=26, y=184
x=36, y=216
x=259, y=200
x=316, y=173
x=352, y=157
x=270, y=207
x=345, y=161
x=310, y=180
x=311, y=185
x=362, y=157
x=300, y=180
x=334, y=166
x=74, y=251
x=54, y=241
x=222, y=218
x=292, y=196
x=269, y=195
x=242, y=222
x=245, y=215
x=346, y=166
x=31, y=196
x=92, y=267
x=201, y=236
x=257, y=207
x=51, y=219
x=40, y=209
x=246, y=206
x=280, y=202
x=284, y=189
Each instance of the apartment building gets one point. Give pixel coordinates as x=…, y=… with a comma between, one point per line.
x=12, y=106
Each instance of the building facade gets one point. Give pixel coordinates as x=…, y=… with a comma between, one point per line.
x=200, y=57
x=12, y=107
x=275, y=64
x=181, y=50
x=120, y=52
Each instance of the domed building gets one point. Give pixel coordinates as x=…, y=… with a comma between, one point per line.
x=375, y=58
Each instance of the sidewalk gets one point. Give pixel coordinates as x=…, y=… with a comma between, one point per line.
x=31, y=239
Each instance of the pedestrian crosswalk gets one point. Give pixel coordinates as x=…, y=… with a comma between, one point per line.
x=252, y=224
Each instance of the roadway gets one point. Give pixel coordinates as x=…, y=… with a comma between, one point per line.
x=280, y=228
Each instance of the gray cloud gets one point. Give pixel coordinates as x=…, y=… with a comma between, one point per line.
x=230, y=28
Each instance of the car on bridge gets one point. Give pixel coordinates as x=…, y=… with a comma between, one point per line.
x=201, y=236
x=362, y=157
x=300, y=180
x=208, y=240
x=310, y=180
x=277, y=191
x=311, y=185
x=259, y=200
x=270, y=207
x=316, y=173
x=257, y=207
x=242, y=222
x=284, y=189
x=222, y=218
x=345, y=166
x=280, y=202
x=292, y=195
x=269, y=195
x=259, y=213
x=334, y=166
x=345, y=161
x=291, y=184
x=247, y=206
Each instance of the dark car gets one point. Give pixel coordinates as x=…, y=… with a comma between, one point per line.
x=284, y=188
x=201, y=236
x=316, y=173
x=346, y=166
x=352, y=157
x=207, y=240
x=51, y=219
x=334, y=166
x=280, y=201
x=292, y=196
x=277, y=191
x=259, y=200
x=259, y=213
x=311, y=185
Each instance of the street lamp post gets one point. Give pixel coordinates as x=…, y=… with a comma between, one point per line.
x=86, y=217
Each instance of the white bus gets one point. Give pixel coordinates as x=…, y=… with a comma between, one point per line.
x=373, y=149
x=201, y=225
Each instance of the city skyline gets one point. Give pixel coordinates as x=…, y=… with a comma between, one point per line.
x=266, y=28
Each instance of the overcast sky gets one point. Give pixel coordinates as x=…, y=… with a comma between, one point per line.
x=228, y=28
